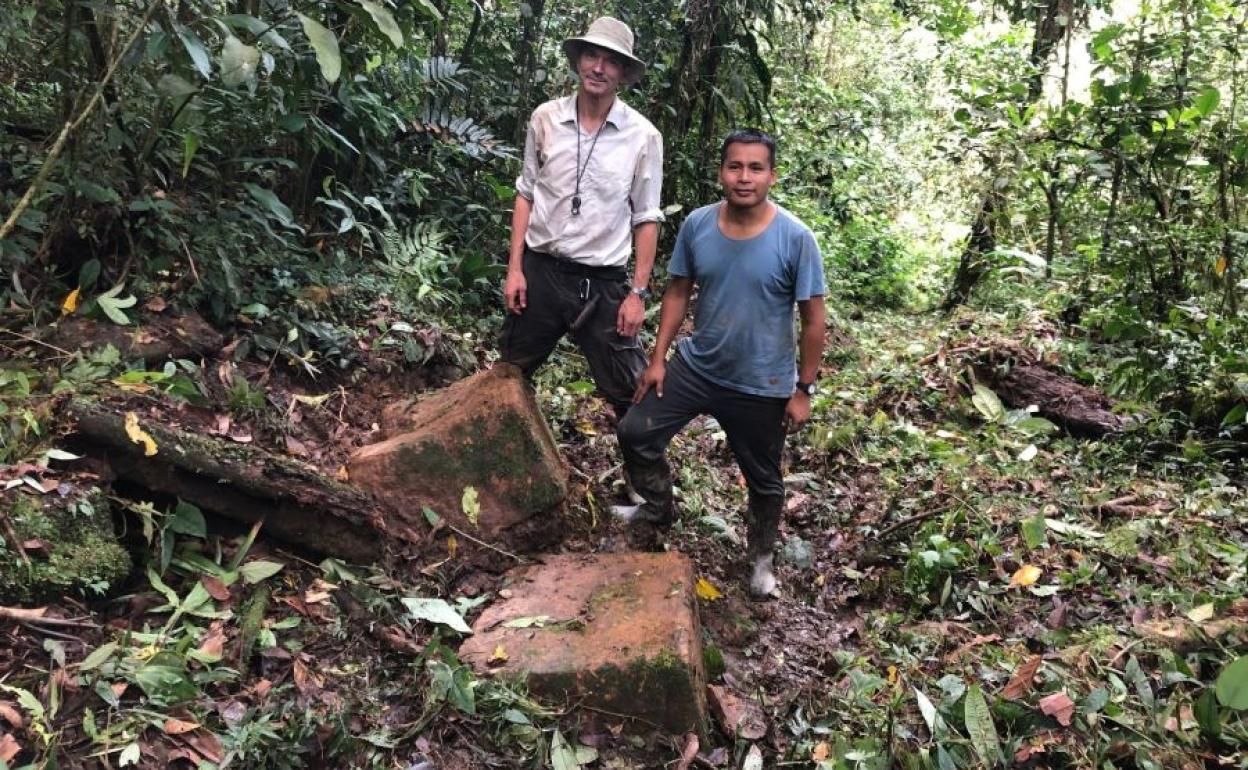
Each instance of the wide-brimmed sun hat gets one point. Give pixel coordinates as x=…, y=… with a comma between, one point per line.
x=613, y=35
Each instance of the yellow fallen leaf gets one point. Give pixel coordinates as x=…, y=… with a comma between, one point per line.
x=1026, y=575
x=499, y=656
x=707, y=591
x=892, y=675
x=820, y=753
x=1220, y=268
x=470, y=505
x=452, y=545
x=71, y=302
x=341, y=474
x=179, y=726
x=138, y=435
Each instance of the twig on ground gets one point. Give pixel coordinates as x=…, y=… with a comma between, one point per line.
x=915, y=519
x=11, y=536
x=49, y=632
x=24, y=615
x=37, y=341
x=484, y=544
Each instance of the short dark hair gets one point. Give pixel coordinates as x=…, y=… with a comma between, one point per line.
x=748, y=136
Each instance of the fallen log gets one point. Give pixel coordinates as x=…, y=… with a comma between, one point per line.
x=242, y=482
x=1079, y=409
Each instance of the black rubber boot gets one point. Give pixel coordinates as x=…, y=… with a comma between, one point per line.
x=762, y=529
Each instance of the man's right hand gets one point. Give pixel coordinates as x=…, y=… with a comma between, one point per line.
x=515, y=292
x=652, y=377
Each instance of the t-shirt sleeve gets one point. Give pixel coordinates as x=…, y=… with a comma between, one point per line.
x=682, y=254
x=810, y=282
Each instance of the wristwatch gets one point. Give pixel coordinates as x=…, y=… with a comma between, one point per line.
x=806, y=387
x=643, y=292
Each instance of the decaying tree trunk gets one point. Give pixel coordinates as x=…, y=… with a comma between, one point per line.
x=242, y=482
x=1077, y=408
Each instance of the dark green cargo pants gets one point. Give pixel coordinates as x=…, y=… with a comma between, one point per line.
x=559, y=293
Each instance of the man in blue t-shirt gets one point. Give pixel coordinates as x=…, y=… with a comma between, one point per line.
x=751, y=262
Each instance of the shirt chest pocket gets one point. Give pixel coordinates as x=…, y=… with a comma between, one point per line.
x=611, y=178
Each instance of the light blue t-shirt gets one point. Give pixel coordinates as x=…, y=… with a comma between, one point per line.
x=743, y=320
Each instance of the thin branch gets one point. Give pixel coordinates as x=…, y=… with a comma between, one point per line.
x=480, y=542
x=71, y=126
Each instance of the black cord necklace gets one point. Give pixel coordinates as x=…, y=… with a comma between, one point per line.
x=580, y=170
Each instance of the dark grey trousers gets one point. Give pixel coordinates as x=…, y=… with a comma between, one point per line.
x=558, y=293
x=754, y=426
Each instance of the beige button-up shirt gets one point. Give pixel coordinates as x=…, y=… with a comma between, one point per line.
x=620, y=185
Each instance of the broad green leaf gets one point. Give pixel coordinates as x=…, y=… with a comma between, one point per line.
x=188, y=520
x=195, y=48
x=562, y=757
x=255, y=571
x=190, y=145
x=1033, y=532
x=431, y=516
x=1207, y=101
x=112, y=304
x=384, y=21
x=988, y=404
x=164, y=680
x=1067, y=528
x=1205, y=709
x=935, y=722
x=130, y=755
x=238, y=62
x=1232, y=685
x=430, y=9
x=27, y=700
x=176, y=87
x=436, y=611
x=979, y=727
x=325, y=45
x=278, y=210
x=98, y=656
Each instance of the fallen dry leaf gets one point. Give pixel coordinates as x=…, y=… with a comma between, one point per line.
x=138, y=435
x=1059, y=706
x=305, y=679
x=499, y=655
x=213, y=643
x=178, y=726
x=737, y=716
x=1022, y=681
x=1026, y=575
x=215, y=587
x=9, y=748
x=156, y=304
x=820, y=753
x=707, y=591
x=11, y=714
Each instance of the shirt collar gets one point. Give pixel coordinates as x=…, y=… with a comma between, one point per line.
x=617, y=117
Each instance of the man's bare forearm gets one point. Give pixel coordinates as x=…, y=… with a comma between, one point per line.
x=810, y=345
x=646, y=241
x=671, y=315
x=519, y=229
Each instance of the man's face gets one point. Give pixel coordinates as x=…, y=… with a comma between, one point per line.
x=600, y=70
x=746, y=174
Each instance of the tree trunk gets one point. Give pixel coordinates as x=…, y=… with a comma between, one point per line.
x=1054, y=19
x=241, y=482
x=1077, y=408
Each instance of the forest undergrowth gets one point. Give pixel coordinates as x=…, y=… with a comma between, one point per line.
x=963, y=585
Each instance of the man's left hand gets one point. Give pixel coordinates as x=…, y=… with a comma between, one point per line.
x=632, y=314
x=796, y=412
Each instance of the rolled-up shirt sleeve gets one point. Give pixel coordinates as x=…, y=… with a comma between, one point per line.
x=648, y=181
x=528, y=172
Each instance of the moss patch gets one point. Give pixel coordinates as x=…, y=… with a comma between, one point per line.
x=78, y=552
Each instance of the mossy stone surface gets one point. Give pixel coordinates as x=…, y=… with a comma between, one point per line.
x=76, y=549
x=619, y=632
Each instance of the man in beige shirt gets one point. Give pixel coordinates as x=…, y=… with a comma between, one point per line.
x=588, y=192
